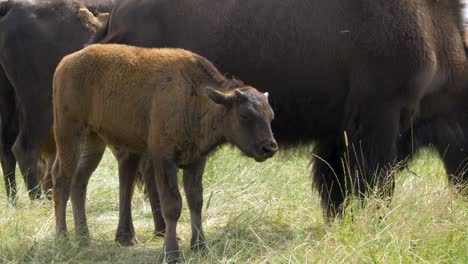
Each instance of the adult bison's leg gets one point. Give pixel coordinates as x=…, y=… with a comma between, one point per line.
x=328, y=173
x=151, y=189
x=128, y=164
x=64, y=167
x=91, y=151
x=34, y=129
x=171, y=204
x=372, y=148
x=8, y=134
x=456, y=166
x=8, y=161
x=193, y=187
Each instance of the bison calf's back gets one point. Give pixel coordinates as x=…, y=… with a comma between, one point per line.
x=169, y=103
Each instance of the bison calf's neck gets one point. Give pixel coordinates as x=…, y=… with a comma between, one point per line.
x=169, y=103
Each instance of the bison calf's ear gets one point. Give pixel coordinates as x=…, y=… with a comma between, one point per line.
x=219, y=97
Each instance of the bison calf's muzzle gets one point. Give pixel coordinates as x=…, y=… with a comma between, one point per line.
x=266, y=151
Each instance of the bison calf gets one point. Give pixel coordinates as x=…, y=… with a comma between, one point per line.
x=169, y=103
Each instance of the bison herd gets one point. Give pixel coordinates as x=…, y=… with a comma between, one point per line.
x=370, y=82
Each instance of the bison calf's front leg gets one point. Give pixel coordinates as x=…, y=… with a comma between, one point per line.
x=193, y=187
x=171, y=204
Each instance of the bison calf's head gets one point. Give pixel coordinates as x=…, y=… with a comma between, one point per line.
x=247, y=121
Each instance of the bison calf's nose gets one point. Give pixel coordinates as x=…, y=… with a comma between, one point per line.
x=269, y=149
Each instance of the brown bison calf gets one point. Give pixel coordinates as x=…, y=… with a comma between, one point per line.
x=169, y=103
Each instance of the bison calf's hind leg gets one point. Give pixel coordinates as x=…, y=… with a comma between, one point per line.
x=92, y=150
x=193, y=187
x=64, y=166
x=153, y=195
x=67, y=137
x=128, y=164
x=171, y=205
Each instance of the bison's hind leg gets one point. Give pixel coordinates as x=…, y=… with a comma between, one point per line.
x=91, y=150
x=67, y=136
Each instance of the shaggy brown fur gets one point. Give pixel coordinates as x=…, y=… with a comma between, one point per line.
x=154, y=101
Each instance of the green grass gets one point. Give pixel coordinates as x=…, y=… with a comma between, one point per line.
x=256, y=213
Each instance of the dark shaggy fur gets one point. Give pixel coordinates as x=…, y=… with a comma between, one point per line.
x=448, y=135
x=34, y=36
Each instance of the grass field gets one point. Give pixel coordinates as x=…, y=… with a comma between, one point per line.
x=256, y=213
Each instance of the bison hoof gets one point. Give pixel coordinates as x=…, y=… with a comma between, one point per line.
x=198, y=245
x=35, y=195
x=61, y=237
x=83, y=241
x=163, y=234
x=173, y=257
x=159, y=233
x=48, y=195
x=126, y=240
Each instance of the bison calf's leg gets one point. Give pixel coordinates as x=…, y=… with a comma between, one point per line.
x=128, y=164
x=171, y=205
x=193, y=187
x=90, y=156
x=66, y=166
x=153, y=195
x=67, y=138
x=46, y=180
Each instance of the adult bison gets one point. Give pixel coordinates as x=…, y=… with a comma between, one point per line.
x=34, y=36
x=348, y=75
x=169, y=103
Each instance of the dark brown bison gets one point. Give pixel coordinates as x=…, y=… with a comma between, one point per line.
x=34, y=36
x=348, y=75
x=169, y=103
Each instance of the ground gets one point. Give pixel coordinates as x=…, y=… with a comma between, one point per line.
x=256, y=213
